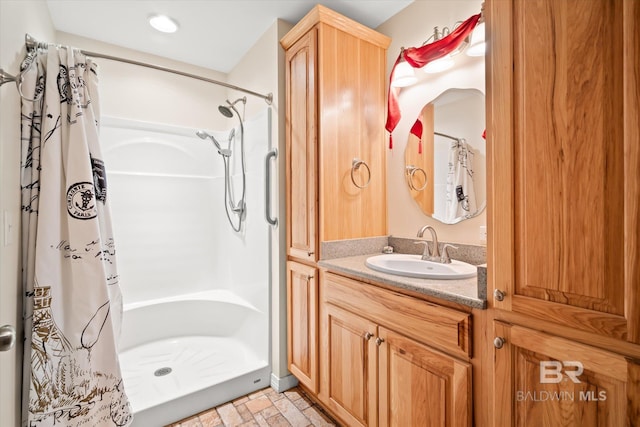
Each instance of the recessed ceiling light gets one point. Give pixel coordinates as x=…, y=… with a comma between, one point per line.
x=163, y=23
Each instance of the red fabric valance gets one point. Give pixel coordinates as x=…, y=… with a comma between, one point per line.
x=418, y=57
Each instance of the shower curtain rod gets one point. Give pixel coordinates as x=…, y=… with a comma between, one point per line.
x=447, y=136
x=31, y=43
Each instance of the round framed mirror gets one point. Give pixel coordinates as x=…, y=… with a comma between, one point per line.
x=445, y=157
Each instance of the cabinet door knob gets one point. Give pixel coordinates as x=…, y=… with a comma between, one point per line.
x=309, y=253
x=498, y=295
x=309, y=277
x=368, y=336
x=498, y=342
x=379, y=341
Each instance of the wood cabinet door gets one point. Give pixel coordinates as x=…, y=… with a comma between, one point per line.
x=349, y=366
x=543, y=380
x=302, y=323
x=420, y=386
x=301, y=148
x=352, y=90
x=564, y=159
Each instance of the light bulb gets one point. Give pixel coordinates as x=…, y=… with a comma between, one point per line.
x=163, y=24
x=477, y=46
x=439, y=65
x=403, y=75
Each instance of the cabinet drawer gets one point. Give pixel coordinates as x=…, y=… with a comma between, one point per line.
x=440, y=327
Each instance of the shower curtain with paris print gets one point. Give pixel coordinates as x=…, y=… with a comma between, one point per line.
x=461, y=194
x=72, y=300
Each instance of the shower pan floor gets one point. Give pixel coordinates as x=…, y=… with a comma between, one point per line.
x=161, y=371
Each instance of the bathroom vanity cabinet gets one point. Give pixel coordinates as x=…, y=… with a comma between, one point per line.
x=335, y=144
x=390, y=359
x=564, y=159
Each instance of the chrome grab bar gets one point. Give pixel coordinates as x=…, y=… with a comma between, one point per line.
x=267, y=193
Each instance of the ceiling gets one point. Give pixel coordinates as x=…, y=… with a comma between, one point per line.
x=214, y=34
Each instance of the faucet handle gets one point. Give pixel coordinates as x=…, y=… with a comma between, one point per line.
x=444, y=258
x=427, y=251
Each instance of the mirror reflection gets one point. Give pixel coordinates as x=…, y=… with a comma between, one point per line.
x=445, y=156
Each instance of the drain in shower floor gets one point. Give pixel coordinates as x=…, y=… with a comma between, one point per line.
x=162, y=372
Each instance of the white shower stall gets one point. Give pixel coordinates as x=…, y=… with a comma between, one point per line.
x=195, y=329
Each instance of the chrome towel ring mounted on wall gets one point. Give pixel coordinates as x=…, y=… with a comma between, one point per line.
x=411, y=171
x=355, y=165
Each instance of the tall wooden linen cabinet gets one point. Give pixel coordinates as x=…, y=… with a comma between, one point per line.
x=563, y=141
x=335, y=159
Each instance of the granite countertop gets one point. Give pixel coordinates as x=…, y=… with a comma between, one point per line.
x=463, y=291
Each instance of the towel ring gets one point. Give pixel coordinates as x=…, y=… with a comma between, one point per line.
x=355, y=165
x=411, y=171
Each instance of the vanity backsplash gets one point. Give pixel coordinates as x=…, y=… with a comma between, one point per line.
x=471, y=254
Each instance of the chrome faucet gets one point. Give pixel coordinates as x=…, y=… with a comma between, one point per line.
x=433, y=254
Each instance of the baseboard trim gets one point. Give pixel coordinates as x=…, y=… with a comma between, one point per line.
x=281, y=384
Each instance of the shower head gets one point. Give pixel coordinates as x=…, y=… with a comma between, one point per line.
x=227, y=110
x=204, y=135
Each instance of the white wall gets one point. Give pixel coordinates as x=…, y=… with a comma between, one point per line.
x=17, y=17
x=410, y=28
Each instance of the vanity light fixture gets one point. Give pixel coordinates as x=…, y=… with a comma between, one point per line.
x=437, y=35
x=419, y=57
x=163, y=23
x=403, y=75
x=439, y=65
x=478, y=45
x=446, y=61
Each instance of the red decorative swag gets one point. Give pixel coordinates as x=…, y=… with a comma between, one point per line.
x=418, y=57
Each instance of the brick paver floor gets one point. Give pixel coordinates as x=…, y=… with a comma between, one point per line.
x=264, y=408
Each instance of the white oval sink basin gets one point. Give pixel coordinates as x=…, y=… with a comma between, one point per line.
x=412, y=266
